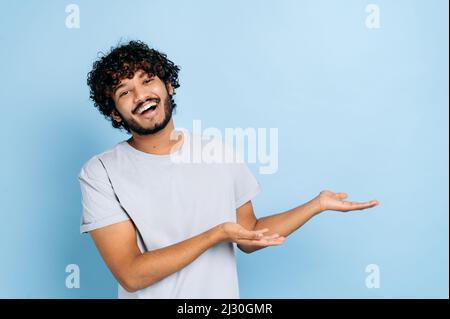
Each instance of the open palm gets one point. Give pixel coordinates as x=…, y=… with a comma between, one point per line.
x=335, y=201
x=238, y=234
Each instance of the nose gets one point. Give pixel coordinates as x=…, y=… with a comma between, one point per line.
x=139, y=94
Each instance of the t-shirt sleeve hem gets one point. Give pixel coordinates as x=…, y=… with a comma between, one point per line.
x=84, y=228
x=250, y=195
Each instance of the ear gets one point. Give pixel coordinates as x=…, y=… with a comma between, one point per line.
x=116, y=116
x=169, y=88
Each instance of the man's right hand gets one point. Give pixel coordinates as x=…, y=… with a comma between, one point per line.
x=232, y=232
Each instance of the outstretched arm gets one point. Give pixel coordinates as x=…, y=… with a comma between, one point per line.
x=285, y=223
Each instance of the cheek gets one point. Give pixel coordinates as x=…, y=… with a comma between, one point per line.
x=125, y=105
x=160, y=90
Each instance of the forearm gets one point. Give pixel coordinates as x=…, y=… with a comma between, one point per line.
x=155, y=265
x=286, y=222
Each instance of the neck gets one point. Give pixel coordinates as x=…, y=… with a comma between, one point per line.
x=159, y=143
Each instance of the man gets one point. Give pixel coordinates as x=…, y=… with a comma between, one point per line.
x=169, y=229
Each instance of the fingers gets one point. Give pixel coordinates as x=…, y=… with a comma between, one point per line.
x=372, y=203
x=253, y=234
x=257, y=237
x=273, y=236
x=263, y=242
x=359, y=206
x=348, y=206
x=271, y=240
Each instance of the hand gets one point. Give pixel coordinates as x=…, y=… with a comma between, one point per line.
x=335, y=201
x=236, y=233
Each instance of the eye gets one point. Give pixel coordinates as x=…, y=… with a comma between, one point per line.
x=147, y=81
x=123, y=93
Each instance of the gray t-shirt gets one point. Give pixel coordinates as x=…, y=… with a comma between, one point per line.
x=168, y=202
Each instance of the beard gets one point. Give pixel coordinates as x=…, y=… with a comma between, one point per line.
x=140, y=130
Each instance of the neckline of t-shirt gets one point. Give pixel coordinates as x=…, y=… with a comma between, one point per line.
x=156, y=156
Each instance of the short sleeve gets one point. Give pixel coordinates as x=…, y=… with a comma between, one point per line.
x=100, y=205
x=246, y=187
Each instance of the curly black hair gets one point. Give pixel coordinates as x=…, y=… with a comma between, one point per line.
x=122, y=62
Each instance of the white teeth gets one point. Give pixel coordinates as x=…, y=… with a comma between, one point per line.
x=145, y=107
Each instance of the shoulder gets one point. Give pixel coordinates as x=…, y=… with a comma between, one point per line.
x=94, y=166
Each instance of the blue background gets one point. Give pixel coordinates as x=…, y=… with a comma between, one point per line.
x=359, y=110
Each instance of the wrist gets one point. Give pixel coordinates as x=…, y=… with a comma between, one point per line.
x=316, y=206
x=218, y=234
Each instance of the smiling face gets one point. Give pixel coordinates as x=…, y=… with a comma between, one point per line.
x=143, y=103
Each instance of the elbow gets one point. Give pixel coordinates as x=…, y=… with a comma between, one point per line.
x=132, y=283
x=129, y=288
x=132, y=280
x=129, y=284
